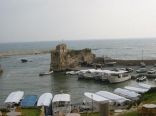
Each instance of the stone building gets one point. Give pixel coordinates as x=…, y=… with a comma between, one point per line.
x=64, y=59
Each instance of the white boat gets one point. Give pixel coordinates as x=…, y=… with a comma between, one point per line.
x=151, y=71
x=136, y=89
x=45, y=99
x=71, y=72
x=93, y=100
x=145, y=86
x=141, y=70
x=127, y=94
x=46, y=73
x=118, y=76
x=143, y=78
x=118, y=100
x=61, y=103
x=96, y=98
x=142, y=64
x=14, y=97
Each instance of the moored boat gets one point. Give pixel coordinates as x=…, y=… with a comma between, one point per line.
x=118, y=76
x=46, y=73
x=142, y=78
x=118, y=100
x=14, y=97
x=126, y=93
x=61, y=103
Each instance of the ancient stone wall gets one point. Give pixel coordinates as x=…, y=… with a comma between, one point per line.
x=64, y=59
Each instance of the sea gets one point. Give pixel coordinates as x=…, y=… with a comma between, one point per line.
x=25, y=76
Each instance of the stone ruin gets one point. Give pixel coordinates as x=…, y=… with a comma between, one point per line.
x=63, y=58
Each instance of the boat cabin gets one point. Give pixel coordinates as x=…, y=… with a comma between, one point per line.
x=61, y=103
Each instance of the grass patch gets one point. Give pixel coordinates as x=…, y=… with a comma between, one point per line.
x=149, y=98
x=90, y=114
x=30, y=112
x=133, y=113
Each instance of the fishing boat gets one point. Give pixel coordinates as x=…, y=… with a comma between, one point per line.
x=44, y=102
x=118, y=76
x=142, y=78
x=136, y=89
x=127, y=94
x=92, y=101
x=116, y=99
x=151, y=71
x=29, y=101
x=141, y=70
x=45, y=99
x=46, y=73
x=145, y=86
x=14, y=97
x=61, y=104
x=71, y=72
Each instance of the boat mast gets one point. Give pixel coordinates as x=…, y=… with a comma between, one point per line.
x=142, y=55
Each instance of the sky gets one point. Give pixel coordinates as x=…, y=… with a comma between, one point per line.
x=46, y=20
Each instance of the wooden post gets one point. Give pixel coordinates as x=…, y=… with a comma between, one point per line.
x=104, y=109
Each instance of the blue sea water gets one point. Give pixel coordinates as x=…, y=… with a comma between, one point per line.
x=24, y=76
x=115, y=48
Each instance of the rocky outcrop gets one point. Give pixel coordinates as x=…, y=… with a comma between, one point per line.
x=64, y=59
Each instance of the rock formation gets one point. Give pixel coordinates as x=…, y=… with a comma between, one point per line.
x=64, y=59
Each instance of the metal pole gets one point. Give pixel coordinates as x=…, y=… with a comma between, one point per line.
x=92, y=102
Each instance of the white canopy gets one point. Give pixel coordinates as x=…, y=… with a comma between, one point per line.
x=45, y=99
x=112, y=96
x=14, y=97
x=136, y=89
x=61, y=97
x=96, y=97
x=145, y=86
x=127, y=93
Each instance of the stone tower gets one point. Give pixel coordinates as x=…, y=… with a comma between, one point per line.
x=64, y=59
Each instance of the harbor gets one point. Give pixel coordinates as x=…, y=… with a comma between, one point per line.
x=34, y=77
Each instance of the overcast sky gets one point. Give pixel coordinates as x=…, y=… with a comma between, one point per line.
x=42, y=20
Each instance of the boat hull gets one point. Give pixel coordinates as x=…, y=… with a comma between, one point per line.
x=118, y=80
